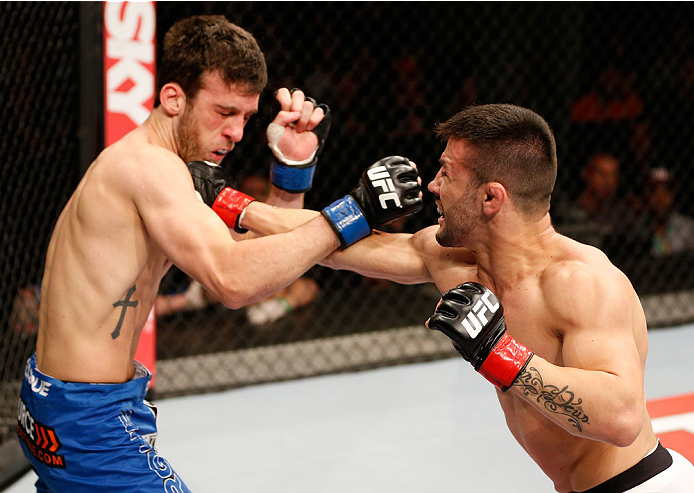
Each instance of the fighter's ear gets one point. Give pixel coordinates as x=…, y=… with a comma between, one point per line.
x=495, y=196
x=172, y=98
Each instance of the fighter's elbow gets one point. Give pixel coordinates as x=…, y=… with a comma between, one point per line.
x=624, y=427
x=236, y=298
x=231, y=293
x=233, y=303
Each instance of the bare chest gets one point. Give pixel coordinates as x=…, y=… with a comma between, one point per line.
x=531, y=323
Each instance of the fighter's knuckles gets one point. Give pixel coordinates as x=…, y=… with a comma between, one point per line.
x=318, y=114
x=406, y=174
x=306, y=112
x=283, y=98
x=298, y=100
x=285, y=117
x=314, y=120
x=458, y=296
x=395, y=160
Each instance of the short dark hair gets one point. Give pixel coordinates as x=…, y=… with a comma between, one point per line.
x=210, y=43
x=513, y=146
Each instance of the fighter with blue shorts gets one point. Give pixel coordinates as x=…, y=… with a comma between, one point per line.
x=104, y=442
x=144, y=205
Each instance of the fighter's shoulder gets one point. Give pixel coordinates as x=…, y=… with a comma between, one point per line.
x=135, y=162
x=137, y=154
x=583, y=279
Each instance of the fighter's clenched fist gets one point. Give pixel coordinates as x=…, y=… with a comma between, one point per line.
x=473, y=318
x=296, y=137
x=390, y=188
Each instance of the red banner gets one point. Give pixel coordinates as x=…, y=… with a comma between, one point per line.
x=129, y=86
x=129, y=66
x=673, y=422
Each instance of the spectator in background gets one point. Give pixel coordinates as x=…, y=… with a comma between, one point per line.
x=611, y=111
x=300, y=293
x=600, y=216
x=613, y=98
x=671, y=231
x=195, y=297
x=410, y=103
x=24, y=317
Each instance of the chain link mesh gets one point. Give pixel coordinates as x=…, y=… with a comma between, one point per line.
x=611, y=79
x=39, y=94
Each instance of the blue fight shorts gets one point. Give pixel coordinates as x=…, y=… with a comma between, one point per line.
x=84, y=437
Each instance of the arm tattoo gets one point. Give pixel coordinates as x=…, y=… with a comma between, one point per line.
x=125, y=304
x=553, y=399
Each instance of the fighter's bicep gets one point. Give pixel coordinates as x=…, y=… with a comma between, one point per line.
x=185, y=228
x=599, y=333
x=179, y=224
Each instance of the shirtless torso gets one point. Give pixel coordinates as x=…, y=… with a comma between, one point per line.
x=534, y=319
x=133, y=214
x=102, y=271
x=576, y=400
x=555, y=303
x=545, y=306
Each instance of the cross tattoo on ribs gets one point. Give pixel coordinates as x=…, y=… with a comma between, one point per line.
x=125, y=304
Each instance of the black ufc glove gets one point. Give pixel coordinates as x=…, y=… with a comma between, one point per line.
x=387, y=190
x=473, y=318
x=214, y=184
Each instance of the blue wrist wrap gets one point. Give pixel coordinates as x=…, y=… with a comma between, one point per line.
x=347, y=219
x=294, y=179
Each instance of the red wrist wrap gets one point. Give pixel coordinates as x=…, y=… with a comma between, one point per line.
x=505, y=362
x=229, y=204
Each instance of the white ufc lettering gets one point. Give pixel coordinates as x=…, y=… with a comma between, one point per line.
x=476, y=319
x=129, y=41
x=380, y=178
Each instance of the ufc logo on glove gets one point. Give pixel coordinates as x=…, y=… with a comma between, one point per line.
x=391, y=179
x=380, y=178
x=476, y=319
x=484, y=342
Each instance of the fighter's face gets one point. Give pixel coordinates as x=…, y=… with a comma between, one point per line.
x=214, y=120
x=456, y=196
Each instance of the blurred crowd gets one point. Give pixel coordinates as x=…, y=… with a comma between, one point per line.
x=622, y=170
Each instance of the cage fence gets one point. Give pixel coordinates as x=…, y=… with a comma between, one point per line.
x=614, y=80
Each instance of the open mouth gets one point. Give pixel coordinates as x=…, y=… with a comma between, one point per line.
x=221, y=152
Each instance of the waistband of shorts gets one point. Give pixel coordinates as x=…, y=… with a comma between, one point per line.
x=648, y=467
x=79, y=394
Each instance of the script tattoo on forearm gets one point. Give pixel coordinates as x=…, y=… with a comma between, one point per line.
x=554, y=399
x=125, y=303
